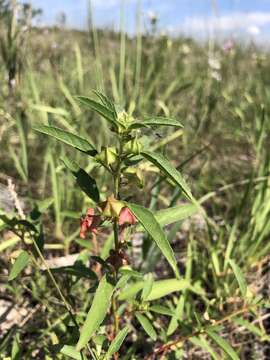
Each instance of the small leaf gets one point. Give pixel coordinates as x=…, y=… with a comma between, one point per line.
x=164, y=165
x=176, y=213
x=20, y=263
x=223, y=344
x=147, y=326
x=79, y=270
x=97, y=312
x=150, y=224
x=239, y=277
x=102, y=110
x=68, y=138
x=126, y=270
x=201, y=342
x=148, y=284
x=105, y=101
x=161, y=309
x=159, y=289
x=72, y=353
x=117, y=342
x=156, y=121
x=163, y=288
x=87, y=184
x=249, y=326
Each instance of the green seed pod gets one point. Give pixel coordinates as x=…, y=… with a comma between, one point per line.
x=107, y=156
x=112, y=207
x=134, y=176
x=133, y=147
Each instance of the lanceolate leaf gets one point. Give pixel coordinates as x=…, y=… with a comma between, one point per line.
x=97, y=312
x=20, y=263
x=201, y=342
x=105, y=101
x=147, y=326
x=159, y=289
x=176, y=213
x=117, y=342
x=161, y=309
x=223, y=344
x=78, y=270
x=148, y=284
x=162, y=288
x=156, y=121
x=102, y=110
x=150, y=224
x=72, y=353
x=87, y=184
x=239, y=277
x=164, y=165
x=68, y=138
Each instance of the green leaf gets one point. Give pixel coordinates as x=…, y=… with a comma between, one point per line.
x=150, y=224
x=9, y=243
x=87, y=184
x=147, y=287
x=161, y=309
x=239, y=277
x=201, y=342
x=105, y=101
x=223, y=344
x=176, y=213
x=72, y=353
x=97, y=312
x=159, y=289
x=249, y=326
x=79, y=270
x=68, y=138
x=163, y=288
x=20, y=263
x=147, y=326
x=117, y=342
x=126, y=270
x=170, y=171
x=156, y=121
x=102, y=110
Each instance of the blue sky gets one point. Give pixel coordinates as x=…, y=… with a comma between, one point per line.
x=192, y=17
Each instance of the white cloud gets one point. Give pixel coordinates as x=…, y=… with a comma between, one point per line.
x=109, y=4
x=227, y=23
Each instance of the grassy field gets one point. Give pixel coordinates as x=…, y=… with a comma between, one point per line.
x=221, y=96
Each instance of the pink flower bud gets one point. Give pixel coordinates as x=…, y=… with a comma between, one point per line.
x=126, y=217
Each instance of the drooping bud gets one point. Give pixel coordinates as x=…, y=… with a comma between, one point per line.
x=89, y=223
x=126, y=217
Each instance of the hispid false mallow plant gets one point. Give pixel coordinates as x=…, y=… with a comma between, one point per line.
x=120, y=213
x=124, y=300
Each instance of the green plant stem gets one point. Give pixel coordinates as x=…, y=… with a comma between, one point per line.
x=116, y=177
